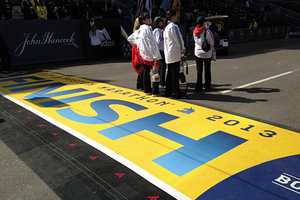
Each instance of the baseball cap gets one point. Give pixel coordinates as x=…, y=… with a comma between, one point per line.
x=200, y=20
x=158, y=19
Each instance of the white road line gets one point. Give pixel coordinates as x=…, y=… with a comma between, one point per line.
x=285, y=187
x=140, y=171
x=256, y=82
x=291, y=176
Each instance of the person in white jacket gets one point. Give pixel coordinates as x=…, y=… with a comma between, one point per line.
x=157, y=26
x=203, y=56
x=174, y=50
x=147, y=47
x=95, y=38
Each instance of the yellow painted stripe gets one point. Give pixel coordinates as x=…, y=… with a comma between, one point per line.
x=263, y=142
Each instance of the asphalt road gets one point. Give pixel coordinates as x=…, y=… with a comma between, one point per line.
x=265, y=75
x=271, y=68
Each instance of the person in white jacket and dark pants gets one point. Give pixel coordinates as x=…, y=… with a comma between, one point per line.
x=174, y=50
x=158, y=35
x=147, y=47
x=95, y=37
x=203, y=56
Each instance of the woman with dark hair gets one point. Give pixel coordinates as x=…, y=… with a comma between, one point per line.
x=136, y=59
x=147, y=48
x=95, y=37
x=157, y=26
x=174, y=50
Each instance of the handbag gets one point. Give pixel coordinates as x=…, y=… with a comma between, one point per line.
x=155, y=77
x=182, y=77
x=205, y=45
x=214, y=55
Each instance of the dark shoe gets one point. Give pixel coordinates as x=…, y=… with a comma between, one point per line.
x=167, y=95
x=163, y=84
x=178, y=95
x=148, y=89
x=207, y=88
x=155, y=95
x=198, y=89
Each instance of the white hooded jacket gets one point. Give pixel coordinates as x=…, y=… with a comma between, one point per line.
x=146, y=44
x=173, y=43
x=158, y=35
x=198, y=44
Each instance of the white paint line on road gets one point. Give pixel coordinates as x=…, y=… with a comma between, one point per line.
x=192, y=65
x=257, y=82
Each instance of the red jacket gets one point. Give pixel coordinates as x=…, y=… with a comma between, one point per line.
x=138, y=61
x=199, y=30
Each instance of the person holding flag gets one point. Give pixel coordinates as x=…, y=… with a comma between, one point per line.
x=144, y=6
x=176, y=7
x=166, y=5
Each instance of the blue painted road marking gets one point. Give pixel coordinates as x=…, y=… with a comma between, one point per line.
x=197, y=153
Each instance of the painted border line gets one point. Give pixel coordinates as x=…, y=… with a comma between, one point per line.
x=140, y=171
x=285, y=187
x=260, y=81
x=291, y=175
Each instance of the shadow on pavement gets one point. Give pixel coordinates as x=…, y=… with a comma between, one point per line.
x=208, y=95
x=222, y=98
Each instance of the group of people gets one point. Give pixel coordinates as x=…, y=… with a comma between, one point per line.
x=68, y=9
x=162, y=46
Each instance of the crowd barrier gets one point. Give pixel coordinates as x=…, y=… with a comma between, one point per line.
x=44, y=41
x=293, y=32
x=263, y=33
x=277, y=12
x=40, y=41
x=249, y=35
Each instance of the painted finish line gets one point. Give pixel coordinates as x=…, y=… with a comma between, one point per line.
x=189, y=151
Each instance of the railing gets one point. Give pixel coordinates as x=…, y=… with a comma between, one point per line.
x=263, y=33
x=279, y=13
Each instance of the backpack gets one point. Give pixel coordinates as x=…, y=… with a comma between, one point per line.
x=205, y=45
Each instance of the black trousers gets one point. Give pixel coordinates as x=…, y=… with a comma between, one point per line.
x=162, y=69
x=97, y=52
x=207, y=75
x=155, y=88
x=172, y=87
x=144, y=84
x=139, y=81
x=146, y=78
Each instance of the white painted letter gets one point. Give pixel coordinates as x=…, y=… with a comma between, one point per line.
x=283, y=179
